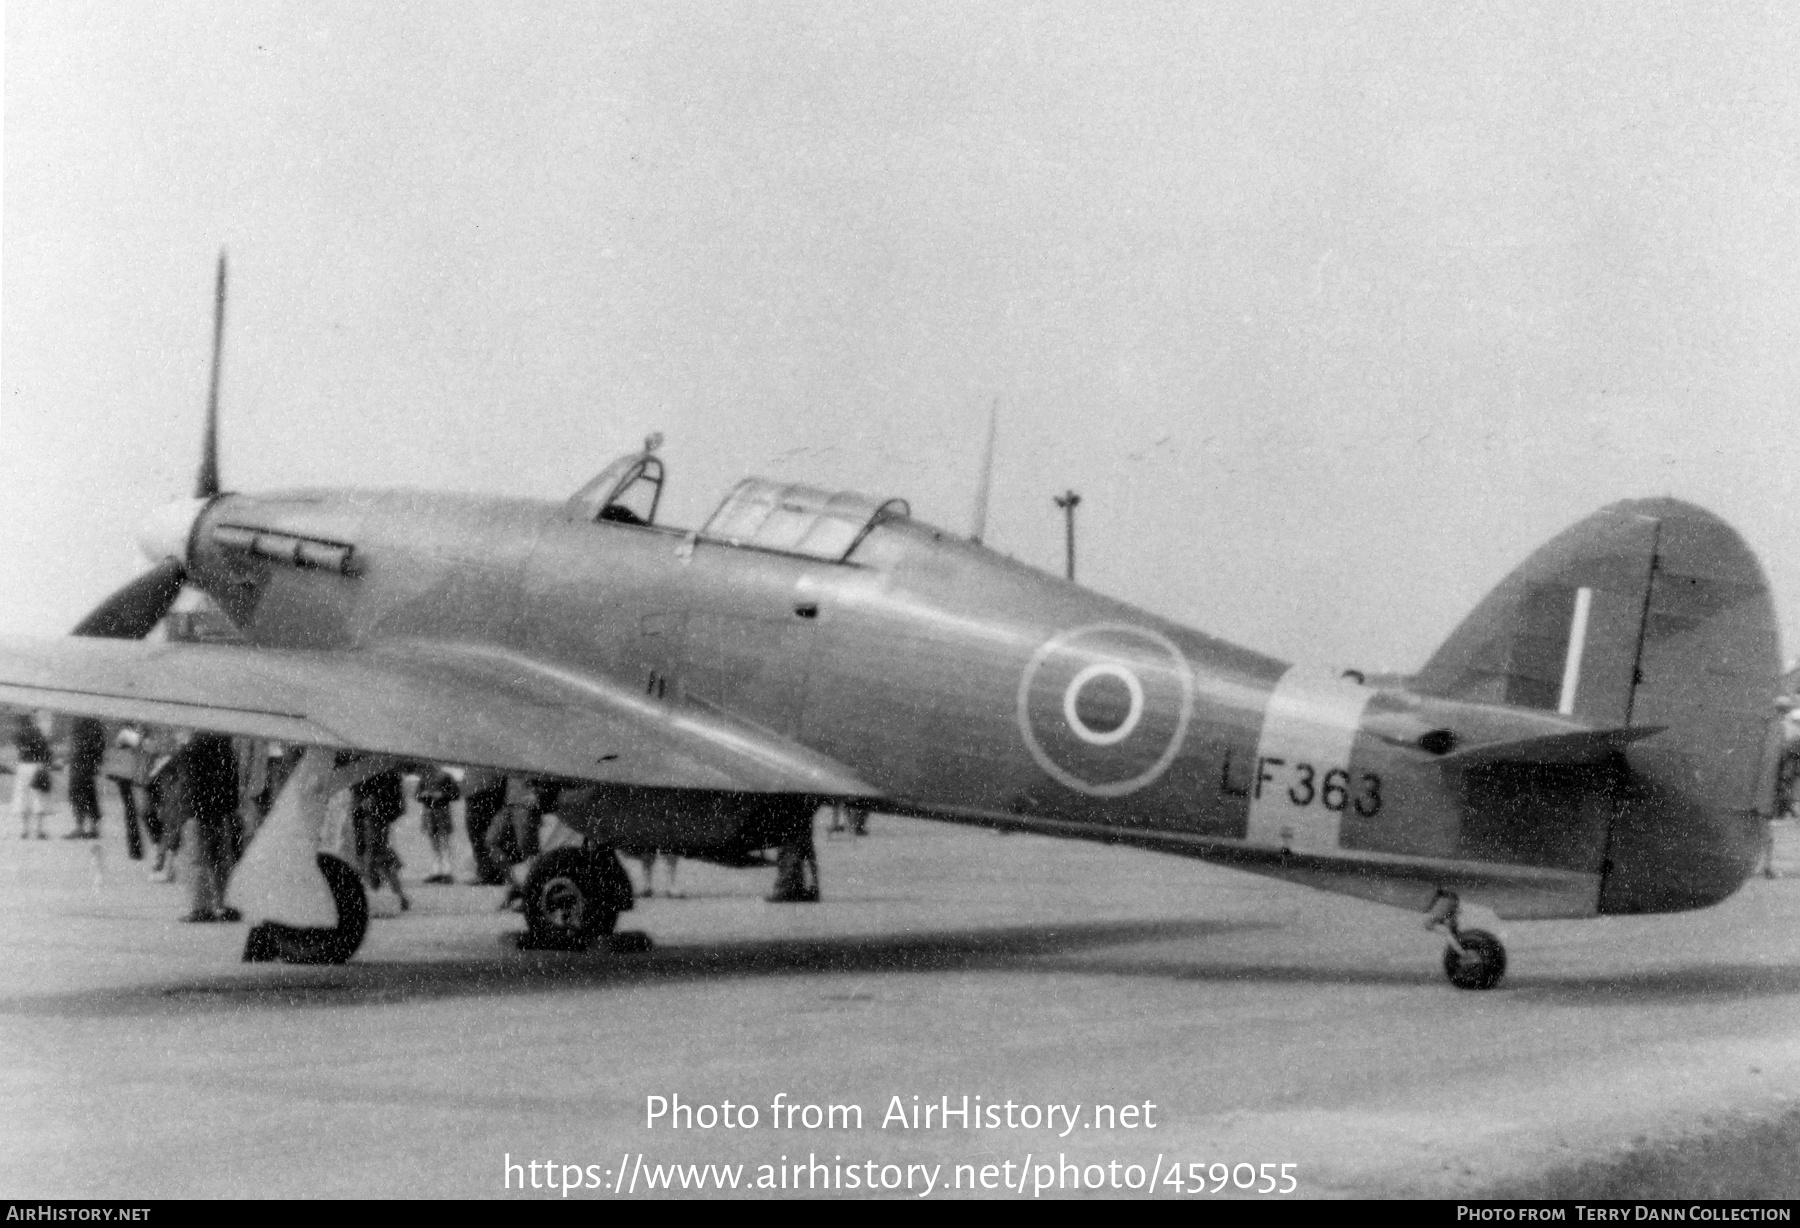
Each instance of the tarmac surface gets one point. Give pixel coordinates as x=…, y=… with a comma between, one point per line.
x=1265, y=1023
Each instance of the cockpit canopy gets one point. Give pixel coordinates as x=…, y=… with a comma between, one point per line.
x=758, y=514
x=796, y=519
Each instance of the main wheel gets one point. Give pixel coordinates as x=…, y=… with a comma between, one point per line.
x=573, y=896
x=295, y=944
x=1479, y=965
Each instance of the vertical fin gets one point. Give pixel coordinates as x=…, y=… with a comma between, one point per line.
x=1679, y=636
x=1536, y=641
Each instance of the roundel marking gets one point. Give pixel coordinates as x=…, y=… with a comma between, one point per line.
x=1133, y=714
x=1118, y=721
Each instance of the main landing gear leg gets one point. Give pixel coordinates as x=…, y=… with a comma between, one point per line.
x=305, y=907
x=1473, y=959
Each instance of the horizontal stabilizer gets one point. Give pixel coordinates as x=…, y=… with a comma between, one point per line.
x=1581, y=746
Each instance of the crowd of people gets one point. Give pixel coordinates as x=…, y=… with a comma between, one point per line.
x=195, y=799
x=198, y=792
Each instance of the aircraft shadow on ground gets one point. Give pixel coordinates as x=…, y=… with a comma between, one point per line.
x=1710, y=983
x=1053, y=949
x=1041, y=948
x=1698, y=982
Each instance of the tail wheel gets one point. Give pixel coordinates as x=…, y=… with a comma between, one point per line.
x=572, y=897
x=302, y=945
x=1479, y=965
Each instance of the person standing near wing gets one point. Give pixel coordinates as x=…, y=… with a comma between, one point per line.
x=797, y=869
x=484, y=794
x=512, y=839
x=199, y=788
x=125, y=764
x=31, y=779
x=87, y=746
x=435, y=791
x=380, y=802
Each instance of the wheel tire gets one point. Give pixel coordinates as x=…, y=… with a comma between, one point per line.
x=294, y=944
x=572, y=897
x=1479, y=965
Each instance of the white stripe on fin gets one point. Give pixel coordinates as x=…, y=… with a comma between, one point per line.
x=1578, y=625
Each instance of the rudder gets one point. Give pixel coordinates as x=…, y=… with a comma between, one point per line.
x=1709, y=660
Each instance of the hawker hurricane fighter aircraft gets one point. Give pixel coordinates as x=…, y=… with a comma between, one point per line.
x=1596, y=738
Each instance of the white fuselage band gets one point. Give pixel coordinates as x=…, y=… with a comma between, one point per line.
x=1300, y=786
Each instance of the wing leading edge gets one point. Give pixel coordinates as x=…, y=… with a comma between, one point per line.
x=461, y=704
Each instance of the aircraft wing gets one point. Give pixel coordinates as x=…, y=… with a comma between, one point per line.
x=457, y=704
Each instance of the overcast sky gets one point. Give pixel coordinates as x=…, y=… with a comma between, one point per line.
x=1330, y=314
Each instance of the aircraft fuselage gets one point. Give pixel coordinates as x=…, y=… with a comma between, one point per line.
x=965, y=686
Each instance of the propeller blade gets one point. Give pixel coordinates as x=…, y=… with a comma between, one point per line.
x=206, y=485
x=133, y=611
x=129, y=614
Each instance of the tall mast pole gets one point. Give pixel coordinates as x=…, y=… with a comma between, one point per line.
x=1068, y=501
